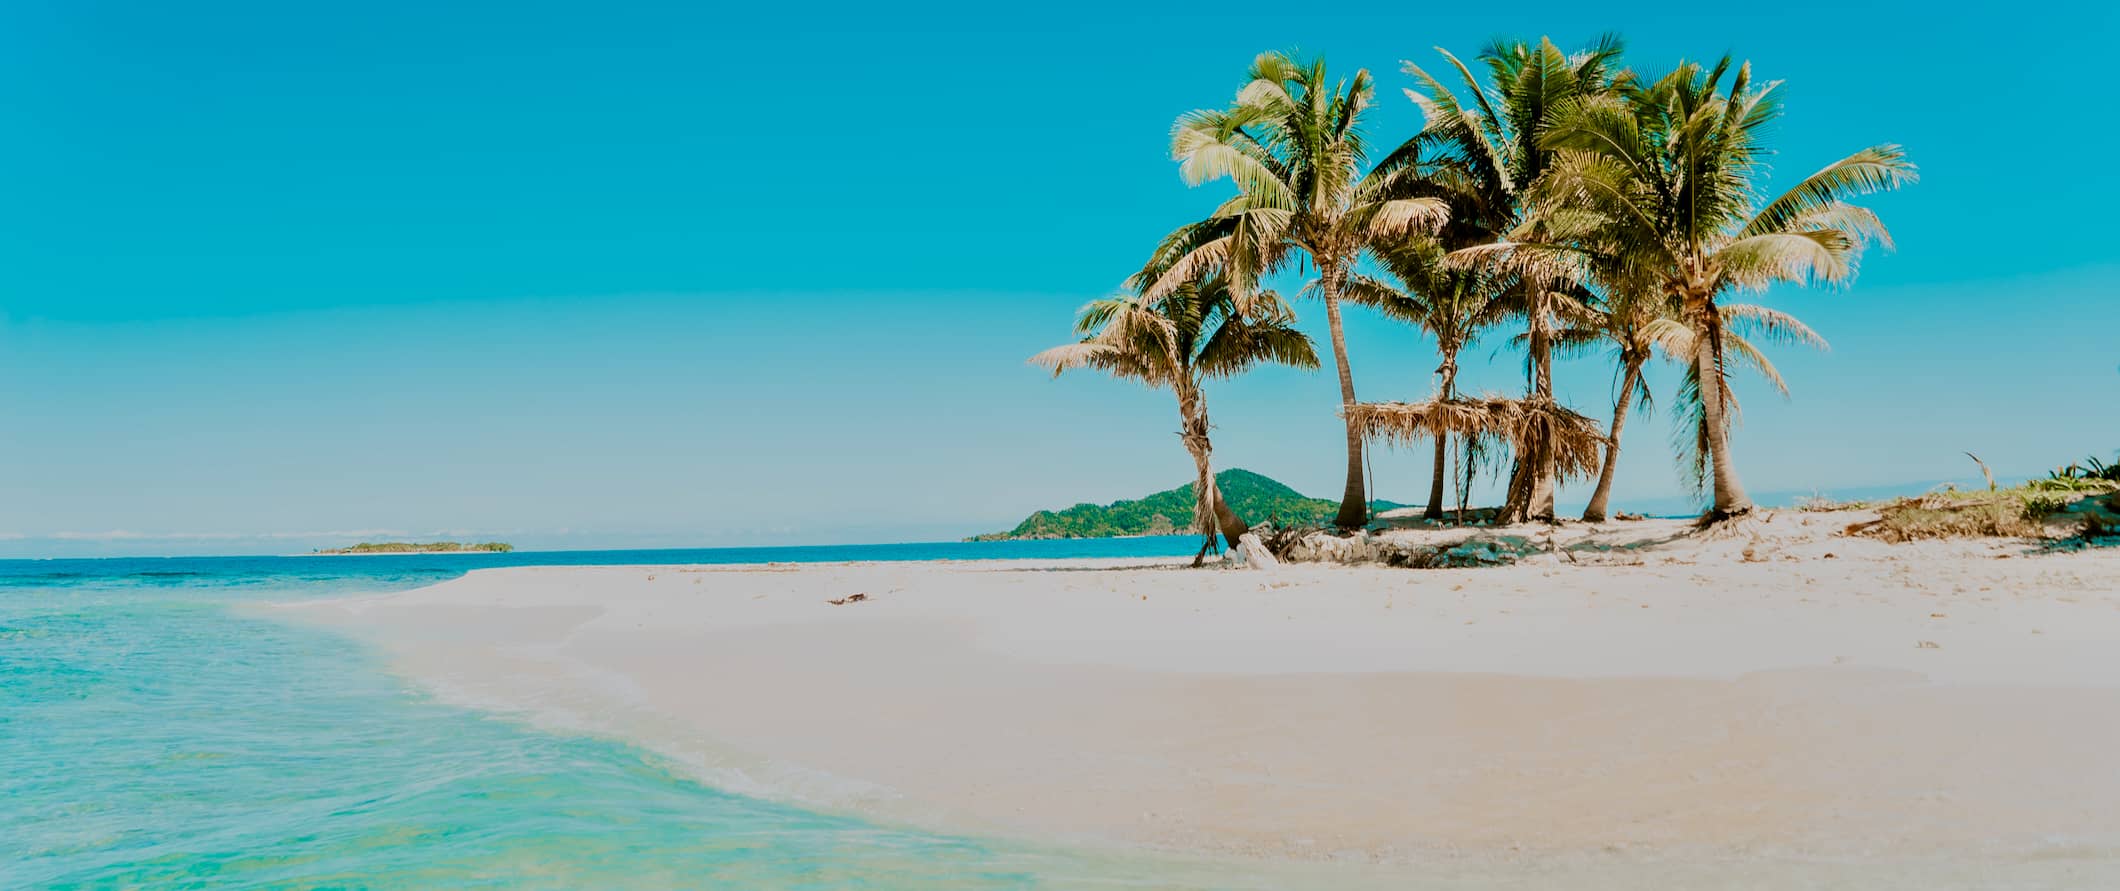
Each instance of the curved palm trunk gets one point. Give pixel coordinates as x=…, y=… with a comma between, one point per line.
x=1206, y=492
x=1446, y=390
x=1595, y=513
x=1192, y=411
x=1354, y=500
x=1730, y=497
x=1233, y=526
x=1516, y=496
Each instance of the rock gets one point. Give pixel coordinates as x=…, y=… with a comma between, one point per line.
x=1493, y=551
x=1256, y=555
x=1324, y=547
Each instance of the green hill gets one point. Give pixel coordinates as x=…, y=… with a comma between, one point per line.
x=1254, y=497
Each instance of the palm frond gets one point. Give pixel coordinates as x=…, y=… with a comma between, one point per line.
x=1754, y=321
x=1527, y=425
x=1815, y=256
x=1873, y=169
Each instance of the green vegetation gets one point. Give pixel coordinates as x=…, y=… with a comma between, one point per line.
x=1247, y=493
x=2079, y=499
x=1564, y=193
x=2090, y=476
x=413, y=547
x=1820, y=504
x=2019, y=512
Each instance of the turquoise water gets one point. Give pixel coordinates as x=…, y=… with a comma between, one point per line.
x=152, y=736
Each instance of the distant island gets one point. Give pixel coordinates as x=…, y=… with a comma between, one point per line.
x=1254, y=496
x=414, y=547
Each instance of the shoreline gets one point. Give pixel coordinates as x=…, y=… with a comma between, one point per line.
x=1920, y=703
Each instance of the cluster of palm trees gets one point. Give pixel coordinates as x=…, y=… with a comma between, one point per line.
x=1561, y=193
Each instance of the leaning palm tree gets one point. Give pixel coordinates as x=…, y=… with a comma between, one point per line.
x=1292, y=143
x=1631, y=323
x=1178, y=340
x=1451, y=305
x=1636, y=327
x=1662, y=179
x=1484, y=155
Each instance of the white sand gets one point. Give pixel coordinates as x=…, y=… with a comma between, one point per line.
x=1947, y=711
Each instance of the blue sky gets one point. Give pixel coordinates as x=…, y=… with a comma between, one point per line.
x=275, y=275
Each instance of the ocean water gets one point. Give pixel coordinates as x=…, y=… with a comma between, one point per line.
x=154, y=735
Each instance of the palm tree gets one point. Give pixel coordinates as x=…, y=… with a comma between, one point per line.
x=1485, y=157
x=1450, y=304
x=1631, y=323
x=1292, y=143
x=1661, y=180
x=1178, y=340
x=1637, y=326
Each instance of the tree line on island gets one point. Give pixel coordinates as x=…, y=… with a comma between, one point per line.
x=1562, y=195
x=422, y=547
x=1240, y=492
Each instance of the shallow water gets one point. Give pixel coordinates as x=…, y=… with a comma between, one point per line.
x=152, y=735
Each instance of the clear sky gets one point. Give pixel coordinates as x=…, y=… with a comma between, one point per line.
x=274, y=275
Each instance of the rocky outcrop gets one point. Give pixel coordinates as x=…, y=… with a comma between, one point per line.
x=1480, y=548
x=1325, y=547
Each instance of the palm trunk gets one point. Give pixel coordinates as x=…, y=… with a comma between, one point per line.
x=1467, y=464
x=1538, y=501
x=1512, y=510
x=1730, y=498
x=1448, y=370
x=1435, y=485
x=1354, y=500
x=1595, y=513
x=1233, y=526
x=1193, y=414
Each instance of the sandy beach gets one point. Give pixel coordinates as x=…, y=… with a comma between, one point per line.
x=1782, y=702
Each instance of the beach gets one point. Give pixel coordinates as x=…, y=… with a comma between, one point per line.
x=1680, y=706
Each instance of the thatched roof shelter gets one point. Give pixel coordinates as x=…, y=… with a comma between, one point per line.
x=1525, y=425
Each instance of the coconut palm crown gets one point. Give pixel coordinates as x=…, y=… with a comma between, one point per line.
x=1484, y=153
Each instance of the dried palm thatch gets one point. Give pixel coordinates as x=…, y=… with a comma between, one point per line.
x=1528, y=426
